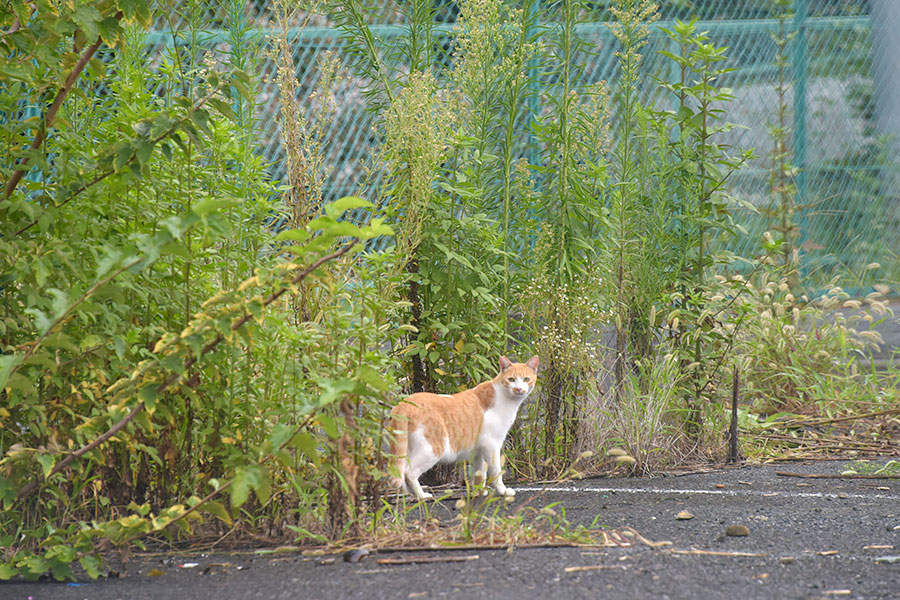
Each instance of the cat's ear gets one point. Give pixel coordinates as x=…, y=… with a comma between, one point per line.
x=505, y=363
x=533, y=363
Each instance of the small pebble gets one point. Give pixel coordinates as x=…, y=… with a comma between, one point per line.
x=843, y=495
x=737, y=531
x=787, y=560
x=355, y=555
x=684, y=516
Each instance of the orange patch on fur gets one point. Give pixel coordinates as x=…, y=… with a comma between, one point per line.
x=457, y=417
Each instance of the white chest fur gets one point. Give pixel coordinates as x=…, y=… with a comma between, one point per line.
x=499, y=418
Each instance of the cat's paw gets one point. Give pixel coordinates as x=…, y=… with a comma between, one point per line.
x=508, y=492
x=425, y=496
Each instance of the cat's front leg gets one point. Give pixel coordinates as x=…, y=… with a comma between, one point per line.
x=496, y=474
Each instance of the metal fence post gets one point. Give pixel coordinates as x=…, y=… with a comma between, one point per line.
x=885, y=27
x=534, y=100
x=800, y=136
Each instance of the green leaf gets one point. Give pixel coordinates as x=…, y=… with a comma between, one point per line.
x=307, y=535
x=240, y=489
x=141, y=509
x=41, y=322
x=280, y=435
x=201, y=118
x=246, y=478
x=144, y=151
x=329, y=426
x=373, y=378
x=223, y=107
x=122, y=157
x=137, y=11
x=217, y=509
x=61, y=571
x=332, y=229
x=212, y=204
x=119, y=346
x=308, y=444
x=110, y=31
x=293, y=235
x=106, y=264
x=46, y=461
x=376, y=228
x=334, y=389
x=8, y=362
x=255, y=308
x=60, y=302
x=91, y=565
x=148, y=396
x=342, y=205
x=87, y=18
x=7, y=571
x=35, y=566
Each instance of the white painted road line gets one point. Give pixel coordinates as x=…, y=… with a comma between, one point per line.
x=741, y=492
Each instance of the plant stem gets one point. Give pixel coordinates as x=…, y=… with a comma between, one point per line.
x=188, y=363
x=50, y=115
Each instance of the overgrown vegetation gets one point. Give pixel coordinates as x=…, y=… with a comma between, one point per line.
x=189, y=347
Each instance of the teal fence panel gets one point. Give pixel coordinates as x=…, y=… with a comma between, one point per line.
x=846, y=181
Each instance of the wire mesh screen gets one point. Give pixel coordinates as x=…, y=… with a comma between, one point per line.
x=843, y=150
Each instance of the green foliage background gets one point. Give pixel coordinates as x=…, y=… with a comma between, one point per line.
x=193, y=346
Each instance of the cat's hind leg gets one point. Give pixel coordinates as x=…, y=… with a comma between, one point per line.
x=421, y=458
x=415, y=488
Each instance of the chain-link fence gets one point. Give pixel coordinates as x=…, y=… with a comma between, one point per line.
x=841, y=100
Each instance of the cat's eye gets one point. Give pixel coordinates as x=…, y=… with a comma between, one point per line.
x=510, y=379
x=527, y=379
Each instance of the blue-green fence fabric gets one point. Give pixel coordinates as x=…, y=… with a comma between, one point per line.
x=847, y=207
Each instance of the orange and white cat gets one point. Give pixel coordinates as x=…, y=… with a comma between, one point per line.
x=471, y=425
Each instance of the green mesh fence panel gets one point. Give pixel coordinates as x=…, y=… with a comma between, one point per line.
x=847, y=186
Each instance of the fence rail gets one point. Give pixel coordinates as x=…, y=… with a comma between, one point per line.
x=845, y=186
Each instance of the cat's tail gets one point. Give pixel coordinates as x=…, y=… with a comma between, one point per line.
x=398, y=450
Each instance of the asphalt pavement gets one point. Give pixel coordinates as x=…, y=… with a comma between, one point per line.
x=807, y=539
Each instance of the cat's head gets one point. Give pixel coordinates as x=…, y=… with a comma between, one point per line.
x=518, y=379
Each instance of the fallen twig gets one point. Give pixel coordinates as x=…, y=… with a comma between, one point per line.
x=832, y=443
x=619, y=538
x=810, y=458
x=451, y=546
x=834, y=475
x=412, y=560
x=695, y=551
x=593, y=568
x=827, y=420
